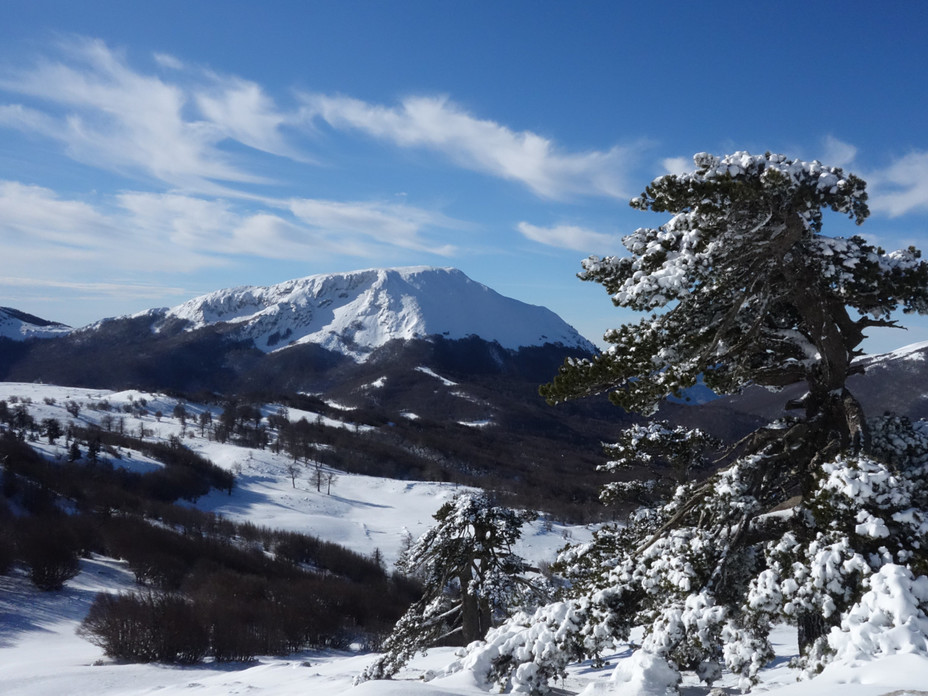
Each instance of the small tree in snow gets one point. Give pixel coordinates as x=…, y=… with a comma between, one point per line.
x=744, y=290
x=293, y=471
x=472, y=579
x=204, y=419
x=318, y=475
x=180, y=413
x=52, y=429
x=330, y=478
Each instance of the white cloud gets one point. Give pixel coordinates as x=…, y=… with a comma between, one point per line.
x=25, y=119
x=135, y=290
x=348, y=228
x=175, y=126
x=50, y=235
x=678, y=165
x=241, y=111
x=34, y=219
x=111, y=116
x=902, y=187
x=382, y=223
x=166, y=60
x=569, y=237
x=838, y=153
x=142, y=232
x=482, y=145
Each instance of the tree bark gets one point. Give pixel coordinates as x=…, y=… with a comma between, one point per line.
x=811, y=626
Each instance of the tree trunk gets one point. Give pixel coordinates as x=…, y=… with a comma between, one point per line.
x=475, y=614
x=470, y=613
x=811, y=626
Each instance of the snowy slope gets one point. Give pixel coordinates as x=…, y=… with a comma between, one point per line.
x=912, y=352
x=362, y=513
x=356, y=312
x=19, y=326
x=40, y=655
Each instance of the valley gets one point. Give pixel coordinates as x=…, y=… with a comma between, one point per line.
x=317, y=452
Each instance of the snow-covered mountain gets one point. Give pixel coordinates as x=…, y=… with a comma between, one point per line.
x=354, y=313
x=20, y=326
x=371, y=339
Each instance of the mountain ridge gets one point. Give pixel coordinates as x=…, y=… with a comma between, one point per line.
x=20, y=326
x=356, y=312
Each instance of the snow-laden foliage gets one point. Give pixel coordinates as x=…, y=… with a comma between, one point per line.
x=707, y=582
x=643, y=674
x=889, y=618
x=805, y=519
x=471, y=576
x=529, y=649
x=674, y=453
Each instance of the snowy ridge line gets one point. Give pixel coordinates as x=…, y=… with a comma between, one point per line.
x=354, y=313
x=20, y=326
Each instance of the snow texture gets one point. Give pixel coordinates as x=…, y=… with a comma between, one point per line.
x=881, y=643
x=20, y=326
x=354, y=313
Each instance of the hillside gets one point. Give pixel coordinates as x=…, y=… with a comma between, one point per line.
x=19, y=326
x=40, y=655
x=893, y=381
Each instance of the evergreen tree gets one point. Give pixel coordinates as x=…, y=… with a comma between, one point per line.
x=52, y=429
x=804, y=514
x=472, y=579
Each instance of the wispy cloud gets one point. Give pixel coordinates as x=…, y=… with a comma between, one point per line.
x=678, y=165
x=52, y=235
x=838, y=153
x=33, y=213
x=25, y=119
x=568, y=237
x=289, y=229
x=148, y=232
x=240, y=110
x=174, y=123
x=482, y=145
x=135, y=290
x=166, y=60
x=902, y=187
x=390, y=224
x=107, y=114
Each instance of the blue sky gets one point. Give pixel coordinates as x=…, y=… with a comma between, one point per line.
x=151, y=152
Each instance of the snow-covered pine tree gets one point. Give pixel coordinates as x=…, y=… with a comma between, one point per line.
x=744, y=289
x=471, y=578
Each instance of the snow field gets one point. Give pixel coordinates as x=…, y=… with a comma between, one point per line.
x=40, y=655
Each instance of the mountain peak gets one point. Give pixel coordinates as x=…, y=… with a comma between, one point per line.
x=356, y=312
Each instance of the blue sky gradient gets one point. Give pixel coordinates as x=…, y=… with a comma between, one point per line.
x=151, y=152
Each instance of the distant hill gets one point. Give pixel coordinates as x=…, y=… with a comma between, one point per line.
x=19, y=326
x=311, y=334
x=896, y=382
